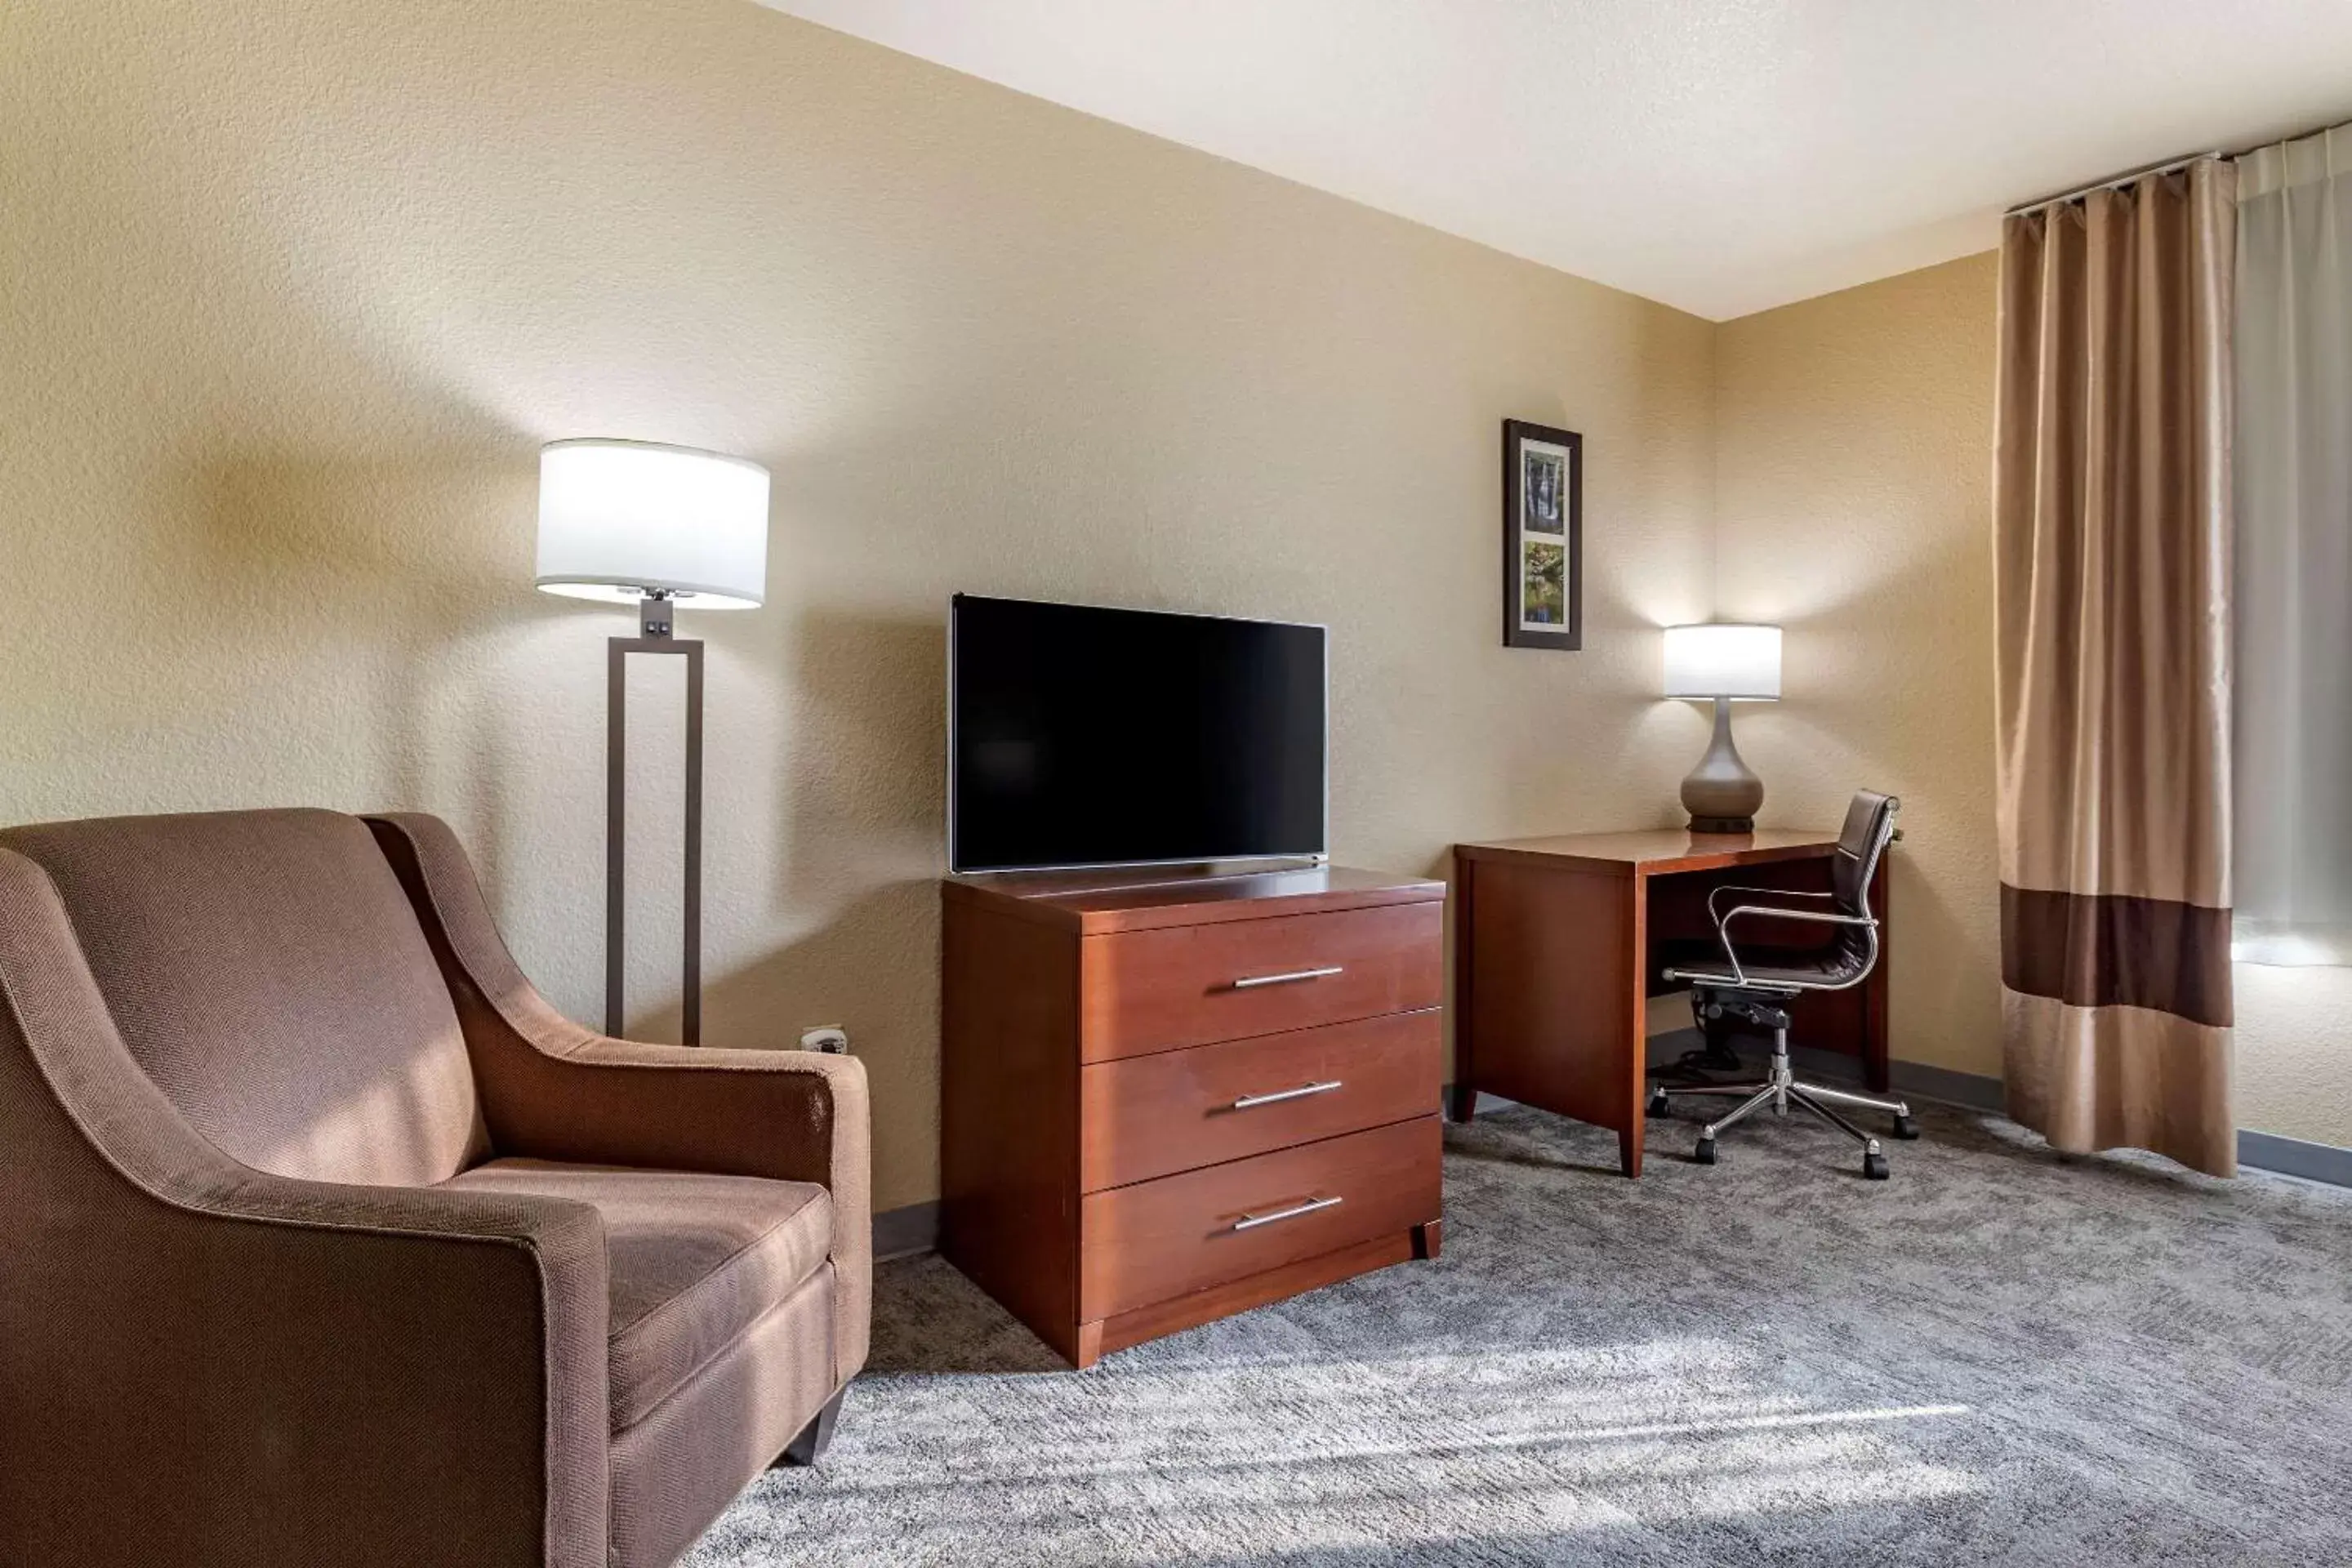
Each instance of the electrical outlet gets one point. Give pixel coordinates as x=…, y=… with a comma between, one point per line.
x=830, y=1039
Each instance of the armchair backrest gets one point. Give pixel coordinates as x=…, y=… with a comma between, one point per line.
x=269, y=973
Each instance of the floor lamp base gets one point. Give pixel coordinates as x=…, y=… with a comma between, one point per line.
x=655, y=623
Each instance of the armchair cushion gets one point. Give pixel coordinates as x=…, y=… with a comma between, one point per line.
x=694, y=1259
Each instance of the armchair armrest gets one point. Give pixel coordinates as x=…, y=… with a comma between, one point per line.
x=426, y=1368
x=789, y=1116
x=555, y=1090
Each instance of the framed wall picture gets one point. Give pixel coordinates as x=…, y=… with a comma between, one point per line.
x=1543, y=536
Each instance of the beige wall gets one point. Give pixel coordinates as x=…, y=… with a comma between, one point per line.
x=1853, y=503
x=290, y=293
x=1853, y=507
x=2295, y=1042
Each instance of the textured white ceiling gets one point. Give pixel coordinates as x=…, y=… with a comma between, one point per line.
x=1720, y=155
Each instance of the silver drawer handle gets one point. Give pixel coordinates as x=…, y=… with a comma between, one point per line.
x=1252, y=982
x=1252, y=1221
x=1278, y=1096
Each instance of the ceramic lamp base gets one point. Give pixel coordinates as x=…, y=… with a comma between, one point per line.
x=1721, y=795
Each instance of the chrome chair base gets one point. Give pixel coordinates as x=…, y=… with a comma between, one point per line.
x=1779, y=1090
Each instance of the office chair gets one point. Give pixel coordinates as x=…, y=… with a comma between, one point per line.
x=1757, y=984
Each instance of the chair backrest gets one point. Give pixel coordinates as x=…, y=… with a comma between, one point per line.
x=269, y=976
x=1869, y=828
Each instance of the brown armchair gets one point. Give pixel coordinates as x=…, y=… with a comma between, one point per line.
x=325, y=1240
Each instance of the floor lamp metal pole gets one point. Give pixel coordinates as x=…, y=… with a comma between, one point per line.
x=654, y=638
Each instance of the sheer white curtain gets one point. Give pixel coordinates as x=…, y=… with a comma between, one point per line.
x=2294, y=600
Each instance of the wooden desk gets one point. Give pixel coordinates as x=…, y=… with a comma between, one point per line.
x=1556, y=952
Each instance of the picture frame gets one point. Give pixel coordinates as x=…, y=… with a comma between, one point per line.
x=1543, y=536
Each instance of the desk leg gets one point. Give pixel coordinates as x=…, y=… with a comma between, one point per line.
x=1462, y=1096
x=1633, y=1067
x=1874, y=1052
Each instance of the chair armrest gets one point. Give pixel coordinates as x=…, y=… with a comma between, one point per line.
x=1714, y=893
x=552, y=1089
x=1811, y=916
x=189, y=1345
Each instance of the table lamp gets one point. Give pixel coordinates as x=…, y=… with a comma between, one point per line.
x=663, y=528
x=1728, y=664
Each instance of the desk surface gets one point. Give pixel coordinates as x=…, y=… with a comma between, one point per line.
x=1661, y=850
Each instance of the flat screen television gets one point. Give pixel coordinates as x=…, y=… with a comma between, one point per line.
x=1080, y=736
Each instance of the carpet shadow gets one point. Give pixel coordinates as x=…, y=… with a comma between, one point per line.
x=928, y=1319
x=1531, y=1160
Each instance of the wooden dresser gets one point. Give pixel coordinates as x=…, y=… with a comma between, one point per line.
x=1167, y=1097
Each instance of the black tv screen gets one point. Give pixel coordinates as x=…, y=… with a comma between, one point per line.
x=1083, y=736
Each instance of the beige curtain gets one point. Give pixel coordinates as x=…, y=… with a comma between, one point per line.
x=2112, y=524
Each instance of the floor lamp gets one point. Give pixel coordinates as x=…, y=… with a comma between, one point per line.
x=662, y=528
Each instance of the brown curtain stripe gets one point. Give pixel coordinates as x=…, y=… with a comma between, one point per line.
x=2109, y=950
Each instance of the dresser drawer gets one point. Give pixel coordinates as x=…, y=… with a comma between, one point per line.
x=1176, y=1111
x=1157, y=1240
x=1187, y=985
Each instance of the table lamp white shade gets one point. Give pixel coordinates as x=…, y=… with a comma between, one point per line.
x=618, y=519
x=1741, y=662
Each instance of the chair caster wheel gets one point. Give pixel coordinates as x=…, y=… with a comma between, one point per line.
x=1657, y=1103
x=1705, y=1153
x=1905, y=1128
x=1874, y=1166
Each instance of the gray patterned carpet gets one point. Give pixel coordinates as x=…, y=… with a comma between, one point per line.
x=1998, y=1357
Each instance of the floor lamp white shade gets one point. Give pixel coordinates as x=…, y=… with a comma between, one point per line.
x=623, y=520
